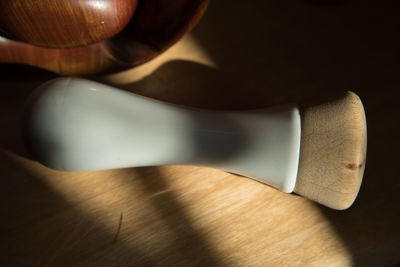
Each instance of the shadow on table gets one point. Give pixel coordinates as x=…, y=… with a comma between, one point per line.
x=16, y=84
x=304, y=50
x=39, y=227
x=189, y=244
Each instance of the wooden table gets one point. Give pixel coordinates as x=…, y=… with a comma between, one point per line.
x=242, y=55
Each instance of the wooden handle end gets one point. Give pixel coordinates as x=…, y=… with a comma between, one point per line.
x=333, y=152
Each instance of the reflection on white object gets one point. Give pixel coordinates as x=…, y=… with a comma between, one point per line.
x=79, y=125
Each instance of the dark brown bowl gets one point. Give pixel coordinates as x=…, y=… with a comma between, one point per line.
x=155, y=26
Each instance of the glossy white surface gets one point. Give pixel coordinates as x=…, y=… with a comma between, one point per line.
x=79, y=125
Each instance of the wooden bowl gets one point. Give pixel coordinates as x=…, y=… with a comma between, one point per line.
x=64, y=24
x=155, y=26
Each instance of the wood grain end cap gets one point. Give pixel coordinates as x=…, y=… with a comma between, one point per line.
x=333, y=152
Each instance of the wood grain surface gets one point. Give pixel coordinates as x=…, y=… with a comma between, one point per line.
x=64, y=24
x=333, y=152
x=155, y=26
x=249, y=55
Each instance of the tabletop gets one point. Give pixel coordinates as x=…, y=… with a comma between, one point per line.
x=241, y=56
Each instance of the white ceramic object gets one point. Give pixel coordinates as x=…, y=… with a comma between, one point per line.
x=79, y=125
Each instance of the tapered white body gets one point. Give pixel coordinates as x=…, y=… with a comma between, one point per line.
x=78, y=125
